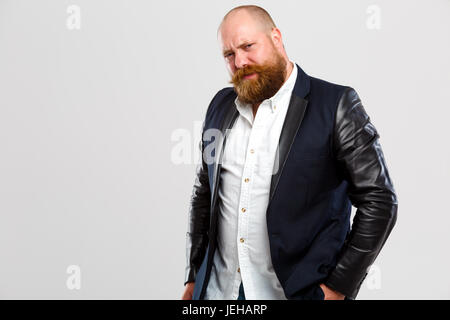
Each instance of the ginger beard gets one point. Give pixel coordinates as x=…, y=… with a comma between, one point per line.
x=268, y=80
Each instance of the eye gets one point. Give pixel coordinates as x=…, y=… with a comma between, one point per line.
x=249, y=45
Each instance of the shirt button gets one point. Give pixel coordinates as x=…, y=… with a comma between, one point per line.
x=243, y=209
x=247, y=180
x=242, y=240
x=239, y=269
x=252, y=151
x=274, y=107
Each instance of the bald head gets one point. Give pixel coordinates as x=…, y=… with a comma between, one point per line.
x=254, y=14
x=249, y=37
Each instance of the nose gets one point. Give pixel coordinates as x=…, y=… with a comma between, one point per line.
x=240, y=60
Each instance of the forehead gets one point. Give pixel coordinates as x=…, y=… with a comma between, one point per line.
x=235, y=31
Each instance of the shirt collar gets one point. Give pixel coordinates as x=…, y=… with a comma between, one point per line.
x=287, y=87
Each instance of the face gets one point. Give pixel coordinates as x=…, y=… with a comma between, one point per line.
x=256, y=66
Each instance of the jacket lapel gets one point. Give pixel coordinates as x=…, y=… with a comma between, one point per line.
x=291, y=125
x=294, y=117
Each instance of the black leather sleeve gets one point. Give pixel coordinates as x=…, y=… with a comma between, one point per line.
x=198, y=220
x=199, y=212
x=370, y=189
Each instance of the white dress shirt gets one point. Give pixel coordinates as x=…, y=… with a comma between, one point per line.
x=243, y=251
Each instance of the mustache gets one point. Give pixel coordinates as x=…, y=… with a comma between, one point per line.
x=239, y=75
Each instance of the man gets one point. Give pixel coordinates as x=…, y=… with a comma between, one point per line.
x=271, y=204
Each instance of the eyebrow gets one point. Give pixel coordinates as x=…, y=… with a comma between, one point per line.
x=227, y=51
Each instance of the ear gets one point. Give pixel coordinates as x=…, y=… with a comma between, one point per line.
x=276, y=37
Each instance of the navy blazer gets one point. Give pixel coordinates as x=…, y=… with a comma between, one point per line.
x=329, y=159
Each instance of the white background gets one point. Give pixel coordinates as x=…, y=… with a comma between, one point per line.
x=87, y=176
